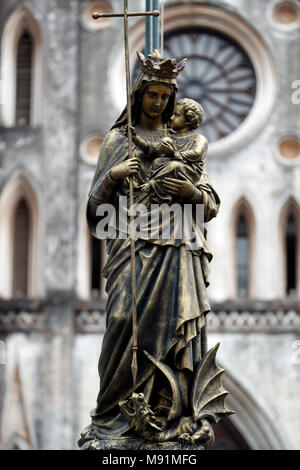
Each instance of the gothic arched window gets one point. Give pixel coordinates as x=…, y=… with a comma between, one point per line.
x=291, y=254
x=97, y=248
x=20, y=239
x=24, y=79
x=21, y=250
x=242, y=256
x=21, y=70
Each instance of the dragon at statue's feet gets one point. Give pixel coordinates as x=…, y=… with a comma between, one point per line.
x=207, y=404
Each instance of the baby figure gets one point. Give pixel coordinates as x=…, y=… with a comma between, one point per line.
x=181, y=156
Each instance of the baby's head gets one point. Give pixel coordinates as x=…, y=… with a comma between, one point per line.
x=187, y=114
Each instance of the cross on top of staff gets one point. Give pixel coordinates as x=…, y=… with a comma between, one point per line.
x=97, y=15
x=152, y=40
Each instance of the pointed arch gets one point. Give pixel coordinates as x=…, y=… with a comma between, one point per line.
x=82, y=281
x=21, y=26
x=17, y=424
x=289, y=228
x=228, y=437
x=16, y=428
x=16, y=442
x=97, y=255
x=243, y=234
x=18, y=190
x=251, y=418
x=21, y=235
x=91, y=260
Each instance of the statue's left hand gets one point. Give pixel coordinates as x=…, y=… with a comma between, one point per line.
x=183, y=189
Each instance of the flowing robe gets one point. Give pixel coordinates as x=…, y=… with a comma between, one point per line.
x=171, y=292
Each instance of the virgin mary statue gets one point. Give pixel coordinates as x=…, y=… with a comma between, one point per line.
x=171, y=278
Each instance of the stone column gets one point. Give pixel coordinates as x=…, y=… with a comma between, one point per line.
x=61, y=49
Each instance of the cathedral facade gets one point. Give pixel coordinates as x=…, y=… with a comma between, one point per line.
x=62, y=85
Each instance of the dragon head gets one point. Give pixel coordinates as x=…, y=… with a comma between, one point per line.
x=138, y=413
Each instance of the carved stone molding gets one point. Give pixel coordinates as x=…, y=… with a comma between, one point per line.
x=18, y=316
x=227, y=317
x=252, y=321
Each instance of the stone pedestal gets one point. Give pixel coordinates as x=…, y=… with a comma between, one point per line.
x=90, y=441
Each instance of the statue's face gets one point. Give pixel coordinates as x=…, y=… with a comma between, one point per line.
x=155, y=100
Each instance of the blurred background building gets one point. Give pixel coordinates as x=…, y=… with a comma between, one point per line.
x=62, y=86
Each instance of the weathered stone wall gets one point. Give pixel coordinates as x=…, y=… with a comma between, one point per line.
x=48, y=156
x=264, y=366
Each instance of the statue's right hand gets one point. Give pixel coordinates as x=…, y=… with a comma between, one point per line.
x=127, y=168
x=133, y=131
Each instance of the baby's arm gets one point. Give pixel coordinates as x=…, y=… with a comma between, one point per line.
x=139, y=142
x=153, y=149
x=166, y=147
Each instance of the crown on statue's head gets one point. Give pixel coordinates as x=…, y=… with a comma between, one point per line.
x=156, y=66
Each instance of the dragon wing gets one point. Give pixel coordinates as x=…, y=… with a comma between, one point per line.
x=208, y=394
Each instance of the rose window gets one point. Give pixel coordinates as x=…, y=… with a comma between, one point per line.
x=218, y=74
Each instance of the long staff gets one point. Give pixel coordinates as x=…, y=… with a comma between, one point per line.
x=134, y=364
x=125, y=15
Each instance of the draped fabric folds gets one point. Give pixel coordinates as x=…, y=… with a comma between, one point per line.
x=171, y=293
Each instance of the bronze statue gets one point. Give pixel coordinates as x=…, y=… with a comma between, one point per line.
x=178, y=391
